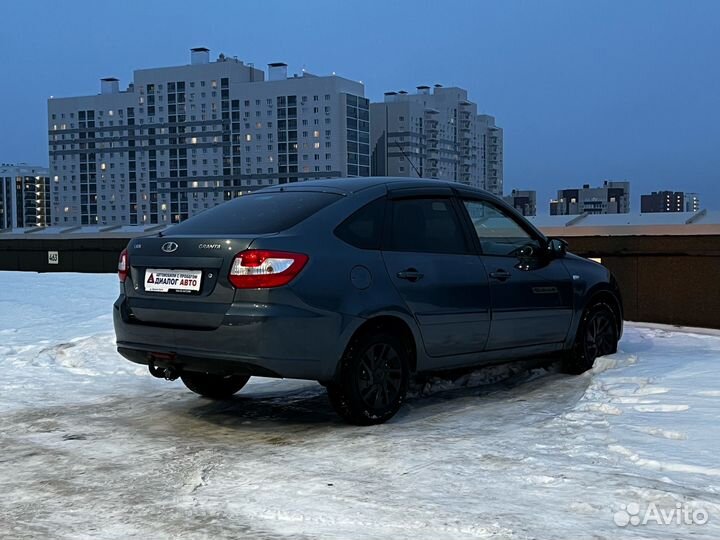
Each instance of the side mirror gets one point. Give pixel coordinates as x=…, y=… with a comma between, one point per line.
x=557, y=247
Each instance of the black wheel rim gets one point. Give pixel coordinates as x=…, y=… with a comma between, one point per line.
x=599, y=336
x=380, y=376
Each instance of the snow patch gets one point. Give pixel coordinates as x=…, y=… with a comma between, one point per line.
x=658, y=432
x=662, y=465
x=662, y=408
x=605, y=363
x=94, y=446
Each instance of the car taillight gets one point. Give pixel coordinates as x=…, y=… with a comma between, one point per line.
x=123, y=265
x=261, y=269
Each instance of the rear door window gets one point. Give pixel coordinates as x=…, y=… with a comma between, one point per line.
x=258, y=213
x=427, y=225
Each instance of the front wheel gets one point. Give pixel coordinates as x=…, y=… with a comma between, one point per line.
x=373, y=380
x=213, y=386
x=596, y=337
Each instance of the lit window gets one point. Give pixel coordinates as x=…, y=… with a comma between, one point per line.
x=248, y=137
x=316, y=133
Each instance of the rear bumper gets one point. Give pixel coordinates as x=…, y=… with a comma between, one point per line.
x=266, y=340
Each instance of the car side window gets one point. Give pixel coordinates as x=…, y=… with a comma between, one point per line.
x=428, y=225
x=363, y=229
x=499, y=234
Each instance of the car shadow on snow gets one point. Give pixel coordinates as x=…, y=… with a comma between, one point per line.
x=306, y=406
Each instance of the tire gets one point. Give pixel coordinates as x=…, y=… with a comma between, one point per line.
x=373, y=380
x=213, y=386
x=596, y=337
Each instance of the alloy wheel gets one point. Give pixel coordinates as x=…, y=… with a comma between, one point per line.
x=599, y=336
x=380, y=375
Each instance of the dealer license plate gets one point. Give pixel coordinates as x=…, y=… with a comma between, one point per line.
x=161, y=280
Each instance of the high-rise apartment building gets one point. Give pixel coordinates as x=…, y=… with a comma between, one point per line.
x=24, y=196
x=524, y=201
x=610, y=198
x=182, y=139
x=436, y=133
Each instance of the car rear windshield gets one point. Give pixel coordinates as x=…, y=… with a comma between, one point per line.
x=258, y=213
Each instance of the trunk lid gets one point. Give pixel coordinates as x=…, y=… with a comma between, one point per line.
x=181, y=281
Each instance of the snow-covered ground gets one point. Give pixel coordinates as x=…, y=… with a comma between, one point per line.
x=92, y=446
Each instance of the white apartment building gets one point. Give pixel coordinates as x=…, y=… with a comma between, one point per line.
x=436, y=133
x=182, y=139
x=24, y=196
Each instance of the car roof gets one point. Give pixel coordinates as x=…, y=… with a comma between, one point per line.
x=349, y=185
x=354, y=184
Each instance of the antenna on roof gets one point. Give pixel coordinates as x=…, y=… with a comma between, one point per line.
x=409, y=161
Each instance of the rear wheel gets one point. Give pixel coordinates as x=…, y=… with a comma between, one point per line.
x=213, y=386
x=597, y=336
x=373, y=381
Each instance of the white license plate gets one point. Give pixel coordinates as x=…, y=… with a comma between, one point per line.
x=160, y=280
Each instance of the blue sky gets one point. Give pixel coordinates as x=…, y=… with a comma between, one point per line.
x=585, y=90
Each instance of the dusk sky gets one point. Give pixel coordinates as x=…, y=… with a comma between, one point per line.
x=585, y=90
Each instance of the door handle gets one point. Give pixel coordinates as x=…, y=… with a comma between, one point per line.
x=500, y=275
x=411, y=274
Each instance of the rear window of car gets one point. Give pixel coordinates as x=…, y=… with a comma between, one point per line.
x=258, y=213
x=363, y=229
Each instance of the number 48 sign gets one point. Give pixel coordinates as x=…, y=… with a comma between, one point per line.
x=53, y=257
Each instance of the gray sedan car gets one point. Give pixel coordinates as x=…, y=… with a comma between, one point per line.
x=358, y=283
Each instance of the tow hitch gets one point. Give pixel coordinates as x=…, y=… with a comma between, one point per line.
x=169, y=373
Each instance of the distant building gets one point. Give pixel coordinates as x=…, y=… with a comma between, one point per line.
x=24, y=196
x=669, y=201
x=692, y=202
x=611, y=198
x=182, y=139
x=436, y=133
x=663, y=201
x=523, y=201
